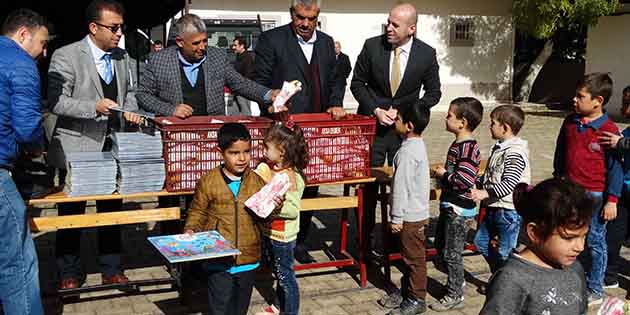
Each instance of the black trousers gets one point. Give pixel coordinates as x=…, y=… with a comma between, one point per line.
x=307, y=216
x=230, y=294
x=615, y=235
x=68, y=245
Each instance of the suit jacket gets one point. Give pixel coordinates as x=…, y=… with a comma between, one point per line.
x=279, y=58
x=343, y=68
x=161, y=87
x=370, y=82
x=245, y=65
x=74, y=88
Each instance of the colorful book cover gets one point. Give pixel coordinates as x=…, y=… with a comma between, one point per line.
x=199, y=246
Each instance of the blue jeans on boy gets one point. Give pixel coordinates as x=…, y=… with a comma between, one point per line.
x=287, y=290
x=19, y=274
x=597, y=246
x=504, y=223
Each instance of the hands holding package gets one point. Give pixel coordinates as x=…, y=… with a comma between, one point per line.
x=281, y=101
x=104, y=105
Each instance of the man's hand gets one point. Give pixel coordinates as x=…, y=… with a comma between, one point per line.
x=183, y=111
x=133, y=118
x=438, y=171
x=479, y=194
x=610, y=211
x=396, y=228
x=337, y=112
x=609, y=139
x=386, y=117
x=103, y=106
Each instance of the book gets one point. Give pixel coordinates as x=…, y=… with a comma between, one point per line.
x=199, y=246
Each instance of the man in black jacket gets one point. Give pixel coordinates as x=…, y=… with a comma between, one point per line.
x=343, y=68
x=244, y=65
x=297, y=51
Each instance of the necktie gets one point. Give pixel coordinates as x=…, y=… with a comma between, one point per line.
x=107, y=72
x=394, y=81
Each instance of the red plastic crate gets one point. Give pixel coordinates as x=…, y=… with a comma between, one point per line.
x=191, y=146
x=338, y=149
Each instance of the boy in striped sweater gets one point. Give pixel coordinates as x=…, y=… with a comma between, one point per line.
x=507, y=166
x=457, y=178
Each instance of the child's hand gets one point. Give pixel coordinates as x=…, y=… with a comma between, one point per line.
x=396, y=228
x=438, y=171
x=189, y=233
x=609, y=139
x=610, y=211
x=278, y=201
x=479, y=194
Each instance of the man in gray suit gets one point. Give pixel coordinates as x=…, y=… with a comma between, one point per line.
x=172, y=84
x=87, y=79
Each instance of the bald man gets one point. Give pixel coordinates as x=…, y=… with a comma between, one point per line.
x=389, y=73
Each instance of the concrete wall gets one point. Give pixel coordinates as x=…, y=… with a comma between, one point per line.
x=607, y=50
x=484, y=70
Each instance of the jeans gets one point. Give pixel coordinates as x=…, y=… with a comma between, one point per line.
x=503, y=223
x=19, y=274
x=450, y=238
x=615, y=235
x=597, y=247
x=287, y=290
x=229, y=294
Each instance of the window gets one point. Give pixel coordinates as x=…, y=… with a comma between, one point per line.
x=462, y=32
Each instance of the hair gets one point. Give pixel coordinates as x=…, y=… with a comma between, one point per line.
x=95, y=9
x=241, y=41
x=22, y=18
x=553, y=203
x=469, y=108
x=189, y=23
x=418, y=115
x=510, y=115
x=306, y=3
x=232, y=132
x=158, y=42
x=598, y=84
x=292, y=141
x=626, y=89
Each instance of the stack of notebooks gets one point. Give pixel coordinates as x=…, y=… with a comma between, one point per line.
x=91, y=173
x=140, y=163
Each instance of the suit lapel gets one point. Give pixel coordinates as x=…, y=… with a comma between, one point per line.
x=409, y=69
x=206, y=80
x=321, y=58
x=88, y=59
x=173, y=68
x=296, y=51
x=385, y=55
x=121, y=76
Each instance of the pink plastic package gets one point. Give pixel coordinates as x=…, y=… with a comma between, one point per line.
x=262, y=202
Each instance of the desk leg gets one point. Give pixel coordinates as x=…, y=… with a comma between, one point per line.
x=362, y=247
x=386, y=233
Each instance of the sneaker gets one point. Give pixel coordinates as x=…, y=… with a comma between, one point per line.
x=595, y=298
x=611, y=284
x=269, y=310
x=410, y=306
x=391, y=300
x=448, y=303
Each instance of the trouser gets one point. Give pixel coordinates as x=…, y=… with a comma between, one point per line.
x=597, y=247
x=287, y=290
x=229, y=294
x=504, y=224
x=19, y=274
x=413, y=252
x=615, y=235
x=450, y=238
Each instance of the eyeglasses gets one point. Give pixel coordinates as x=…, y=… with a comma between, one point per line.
x=113, y=28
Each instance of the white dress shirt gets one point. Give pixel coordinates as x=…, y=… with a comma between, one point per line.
x=307, y=46
x=404, y=58
x=97, y=55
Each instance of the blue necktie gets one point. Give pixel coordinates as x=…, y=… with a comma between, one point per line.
x=107, y=72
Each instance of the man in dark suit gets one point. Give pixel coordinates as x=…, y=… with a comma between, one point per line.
x=188, y=78
x=388, y=75
x=343, y=68
x=244, y=65
x=298, y=52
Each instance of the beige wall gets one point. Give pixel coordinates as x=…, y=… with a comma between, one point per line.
x=607, y=50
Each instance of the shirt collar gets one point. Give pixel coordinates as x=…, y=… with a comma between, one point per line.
x=188, y=64
x=593, y=124
x=407, y=46
x=310, y=41
x=504, y=143
x=97, y=53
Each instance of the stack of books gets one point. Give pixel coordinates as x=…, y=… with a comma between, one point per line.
x=91, y=173
x=140, y=162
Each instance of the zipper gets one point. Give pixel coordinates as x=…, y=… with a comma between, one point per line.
x=236, y=222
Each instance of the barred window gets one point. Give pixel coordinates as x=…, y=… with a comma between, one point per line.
x=462, y=32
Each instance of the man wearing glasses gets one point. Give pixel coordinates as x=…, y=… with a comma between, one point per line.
x=297, y=51
x=87, y=80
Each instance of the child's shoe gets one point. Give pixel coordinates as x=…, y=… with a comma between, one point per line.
x=448, y=303
x=391, y=300
x=410, y=306
x=269, y=310
x=595, y=298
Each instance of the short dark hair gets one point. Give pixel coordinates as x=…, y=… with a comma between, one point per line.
x=510, y=115
x=469, y=108
x=96, y=7
x=626, y=89
x=232, y=132
x=418, y=115
x=22, y=18
x=241, y=41
x=597, y=84
x=157, y=42
x=553, y=203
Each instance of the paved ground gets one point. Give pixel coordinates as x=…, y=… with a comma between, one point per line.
x=336, y=292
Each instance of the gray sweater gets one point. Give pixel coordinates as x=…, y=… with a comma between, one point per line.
x=523, y=288
x=411, y=183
